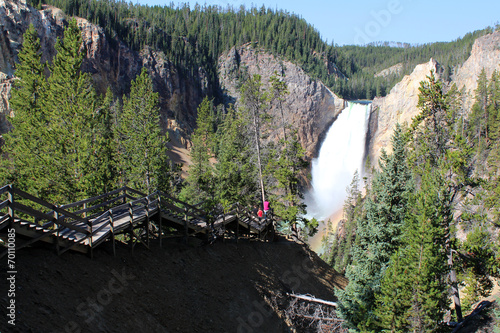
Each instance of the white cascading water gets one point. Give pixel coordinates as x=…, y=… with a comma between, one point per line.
x=341, y=154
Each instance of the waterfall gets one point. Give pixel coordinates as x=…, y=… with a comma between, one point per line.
x=341, y=154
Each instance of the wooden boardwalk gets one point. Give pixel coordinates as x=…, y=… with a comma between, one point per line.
x=84, y=225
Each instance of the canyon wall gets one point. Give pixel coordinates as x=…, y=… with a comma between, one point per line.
x=111, y=63
x=400, y=105
x=310, y=106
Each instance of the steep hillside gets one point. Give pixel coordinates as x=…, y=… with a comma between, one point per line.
x=217, y=288
x=110, y=61
x=400, y=105
x=485, y=55
x=113, y=63
x=310, y=107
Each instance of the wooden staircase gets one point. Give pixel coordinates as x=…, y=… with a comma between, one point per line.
x=86, y=224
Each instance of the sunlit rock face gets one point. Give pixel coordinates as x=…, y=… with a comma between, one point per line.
x=399, y=106
x=485, y=54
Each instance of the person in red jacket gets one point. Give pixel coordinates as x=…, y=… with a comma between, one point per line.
x=260, y=213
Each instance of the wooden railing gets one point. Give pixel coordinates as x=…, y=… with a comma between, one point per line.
x=53, y=220
x=98, y=214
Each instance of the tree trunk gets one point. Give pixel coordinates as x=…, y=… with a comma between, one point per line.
x=257, y=144
x=454, y=287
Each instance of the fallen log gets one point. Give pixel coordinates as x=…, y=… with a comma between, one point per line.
x=313, y=299
x=320, y=318
x=477, y=310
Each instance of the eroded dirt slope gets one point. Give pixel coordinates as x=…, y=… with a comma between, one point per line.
x=215, y=288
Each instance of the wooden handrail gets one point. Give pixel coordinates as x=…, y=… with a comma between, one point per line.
x=30, y=211
x=101, y=217
x=122, y=206
x=35, y=213
x=67, y=214
x=30, y=197
x=48, y=224
x=128, y=189
x=103, y=204
x=4, y=204
x=128, y=196
x=4, y=189
x=44, y=203
x=139, y=201
x=116, y=217
x=98, y=197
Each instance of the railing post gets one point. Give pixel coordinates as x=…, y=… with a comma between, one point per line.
x=224, y=224
x=159, y=215
x=84, y=208
x=112, y=228
x=10, y=210
x=147, y=218
x=237, y=222
x=185, y=225
x=56, y=225
x=131, y=218
x=131, y=214
x=90, y=238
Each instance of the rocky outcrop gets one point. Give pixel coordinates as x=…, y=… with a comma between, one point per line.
x=310, y=107
x=111, y=63
x=485, y=54
x=399, y=106
x=393, y=70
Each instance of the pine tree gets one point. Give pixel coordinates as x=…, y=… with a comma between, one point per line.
x=235, y=170
x=432, y=101
x=479, y=117
x=378, y=235
x=106, y=160
x=24, y=162
x=285, y=167
x=394, y=299
x=479, y=266
x=31, y=79
x=413, y=295
x=255, y=104
x=279, y=89
x=143, y=160
x=352, y=212
x=70, y=105
x=494, y=106
x=55, y=142
x=201, y=179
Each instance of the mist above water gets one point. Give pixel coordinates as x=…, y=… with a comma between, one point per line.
x=341, y=154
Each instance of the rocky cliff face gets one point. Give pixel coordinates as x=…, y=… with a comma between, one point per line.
x=310, y=106
x=485, y=54
x=399, y=106
x=110, y=62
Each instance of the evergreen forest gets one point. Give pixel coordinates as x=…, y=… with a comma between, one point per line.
x=194, y=38
x=419, y=245
x=68, y=143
